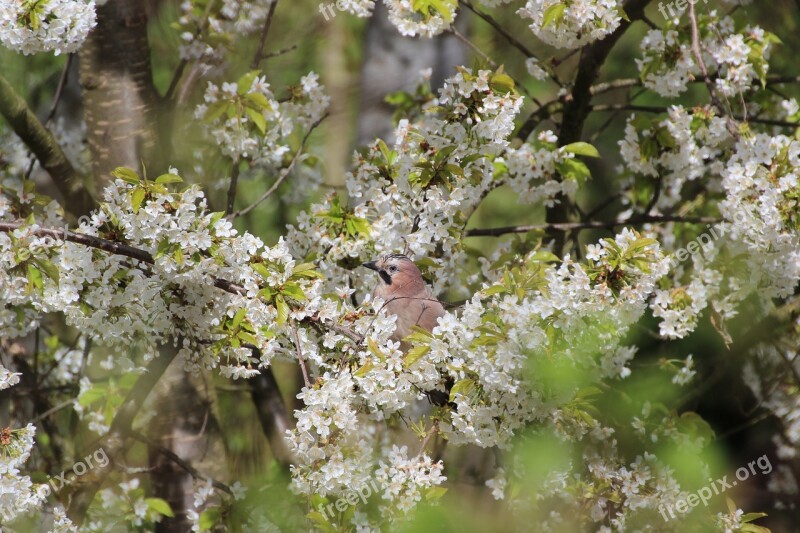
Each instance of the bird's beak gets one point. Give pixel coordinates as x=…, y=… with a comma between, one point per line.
x=370, y=265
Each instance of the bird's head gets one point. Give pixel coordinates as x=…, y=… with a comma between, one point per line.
x=395, y=269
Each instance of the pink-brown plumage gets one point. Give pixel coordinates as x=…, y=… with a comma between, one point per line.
x=406, y=294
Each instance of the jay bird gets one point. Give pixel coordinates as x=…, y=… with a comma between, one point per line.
x=408, y=297
x=406, y=294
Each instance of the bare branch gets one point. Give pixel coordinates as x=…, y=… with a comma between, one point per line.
x=169, y=454
x=591, y=224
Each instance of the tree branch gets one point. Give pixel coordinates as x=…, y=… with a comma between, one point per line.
x=272, y=413
x=114, y=443
x=169, y=454
x=590, y=224
x=577, y=105
x=76, y=198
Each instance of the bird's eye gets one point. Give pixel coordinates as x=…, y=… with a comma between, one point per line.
x=392, y=268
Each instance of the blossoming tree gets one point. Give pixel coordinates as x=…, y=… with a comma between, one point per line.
x=569, y=354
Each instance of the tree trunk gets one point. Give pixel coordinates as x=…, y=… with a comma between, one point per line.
x=187, y=425
x=118, y=92
x=392, y=63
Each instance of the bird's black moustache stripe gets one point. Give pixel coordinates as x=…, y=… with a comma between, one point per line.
x=385, y=277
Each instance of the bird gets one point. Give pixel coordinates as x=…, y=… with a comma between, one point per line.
x=410, y=299
x=405, y=293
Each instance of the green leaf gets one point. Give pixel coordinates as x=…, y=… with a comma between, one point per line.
x=543, y=256
x=753, y=528
x=163, y=247
x=163, y=179
x=245, y=82
x=553, y=14
x=48, y=268
x=92, y=395
x=494, y=289
x=415, y=354
x=215, y=111
x=749, y=517
x=293, y=290
x=376, y=350
x=209, y=518
x=238, y=317
x=321, y=521
x=359, y=226
x=582, y=148
x=216, y=217
x=306, y=270
x=364, y=370
x=260, y=100
x=127, y=175
x=465, y=387
x=137, y=197
x=419, y=335
x=258, y=119
x=249, y=338
x=573, y=169
x=283, y=309
x=159, y=506
x=435, y=493
x=35, y=276
x=502, y=82
x=262, y=270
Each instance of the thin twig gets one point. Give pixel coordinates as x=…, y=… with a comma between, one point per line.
x=279, y=52
x=590, y=224
x=700, y=63
x=232, y=187
x=283, y=175
x=176, y=77
x=172, y=456
x=510, y=38
x=660, y=109
x=428, y=434
x=300, y=357
x=55, y=409
x=62, y=82
x=263, y=40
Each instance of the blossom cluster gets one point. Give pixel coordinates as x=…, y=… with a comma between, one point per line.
x=247, y=122
x=206, y=31
x=519, y=362
x=572, y=24
x=439, y=169
x=421, y=18
x=20, y=497
x=736, y=58
x=58, y=26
